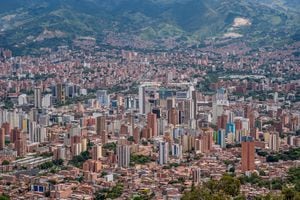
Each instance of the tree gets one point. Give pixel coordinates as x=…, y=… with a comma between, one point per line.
x=58, y=162
x=226, y=188
x=5, y=162
x=77, y=161
x=139, y=159
x=230, y=185
x=46, y=165
x=294, y=178
x=272, y=158
x=4, y=197
x=130, y=139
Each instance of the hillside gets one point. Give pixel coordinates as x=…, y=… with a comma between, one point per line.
x=35, y=23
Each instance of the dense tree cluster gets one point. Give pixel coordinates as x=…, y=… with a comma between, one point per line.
x=291, y=154
x=226, y=188
x=113, y=193
x=77, y=161
x=139, y=159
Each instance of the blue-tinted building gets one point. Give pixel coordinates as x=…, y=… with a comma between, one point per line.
x=230, y=128
x=221, y=138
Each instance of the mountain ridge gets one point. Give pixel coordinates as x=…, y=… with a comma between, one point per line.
x=150, y=20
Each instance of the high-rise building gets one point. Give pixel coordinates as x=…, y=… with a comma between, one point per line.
x=146, y=132
x=248, y=154
x=20, y=143
x=100, y=124
x=219, y=101
x=14, y=134
x=123, y=155
x=222, y=121
x=38, y=97
x=136, y=135
x=163, y=153
x=221, y=138
x=104, y=137
x=22, y=99
x=76, y=145
x=188, y=142
x=47, y=101
x=274, y=141
x=196, y=172
x=147, y=91
x=230, y=128
x=2, y=138
x=207, y=140
x=177, y=150
x=6, y=127
x=173, y=117
x=60, y=93
x=97, y=152
x=103, y=98
x=37, y=133
x=152, y=123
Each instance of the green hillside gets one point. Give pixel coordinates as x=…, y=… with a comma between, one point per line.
x=22, y=22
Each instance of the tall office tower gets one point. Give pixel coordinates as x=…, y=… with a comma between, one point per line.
x=193, y=96
x=103, y=98
x=207, y=140
x=149, y=88
x=173, y=117
x=248, y=154
x=97, y=152
x=136, y=135
x=274, y=141
x=100, y=124
x=2, y=138
x=152, y=123
x=221, y=138
x=123, y=155
x=177, y=150
x=196, y=172
x=163, y=153
x=20, y=143
x=38, y=97
x=60, y=93
x=142, y=99
x=219, y=101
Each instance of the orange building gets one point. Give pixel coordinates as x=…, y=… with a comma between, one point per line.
x=152, y=123
x=248, y=155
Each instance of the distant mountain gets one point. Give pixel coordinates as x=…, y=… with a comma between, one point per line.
x=37, y=23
